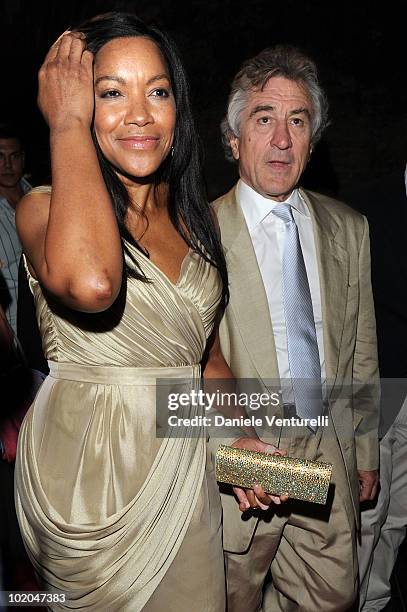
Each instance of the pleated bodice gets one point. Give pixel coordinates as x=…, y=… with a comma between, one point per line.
x=156, y=324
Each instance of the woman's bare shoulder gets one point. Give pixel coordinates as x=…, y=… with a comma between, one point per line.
x=36, y=200
x=32, y=210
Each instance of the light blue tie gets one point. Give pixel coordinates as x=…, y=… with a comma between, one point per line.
x=303, y=354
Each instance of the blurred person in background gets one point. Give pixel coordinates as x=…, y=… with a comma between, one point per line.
x=16, y=394
x=12, y=188
x=384, y=523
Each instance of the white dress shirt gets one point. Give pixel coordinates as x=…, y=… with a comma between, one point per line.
x=267, y=233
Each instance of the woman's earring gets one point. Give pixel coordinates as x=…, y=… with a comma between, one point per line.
x=172, y=151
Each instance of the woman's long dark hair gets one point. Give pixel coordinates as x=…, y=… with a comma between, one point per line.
x=182, y=171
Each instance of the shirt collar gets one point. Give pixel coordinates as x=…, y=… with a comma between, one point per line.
x=25, y=185
x=256, y=207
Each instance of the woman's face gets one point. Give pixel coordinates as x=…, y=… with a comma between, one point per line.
x=134, y=105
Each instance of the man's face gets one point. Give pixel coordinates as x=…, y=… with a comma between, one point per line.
x=275, y=138
x=11, y=162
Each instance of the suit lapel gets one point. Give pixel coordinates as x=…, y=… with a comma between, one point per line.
x=333, y=268
x=248, y=302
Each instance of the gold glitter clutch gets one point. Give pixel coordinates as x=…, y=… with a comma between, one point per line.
x=298, y=478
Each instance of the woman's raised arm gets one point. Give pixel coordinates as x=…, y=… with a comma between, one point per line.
x=71, y=236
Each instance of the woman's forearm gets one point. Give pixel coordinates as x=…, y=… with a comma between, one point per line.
x=82, y=250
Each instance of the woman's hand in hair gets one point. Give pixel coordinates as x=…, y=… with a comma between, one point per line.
x=66, y=96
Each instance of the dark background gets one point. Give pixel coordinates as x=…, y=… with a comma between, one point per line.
x=360, y=49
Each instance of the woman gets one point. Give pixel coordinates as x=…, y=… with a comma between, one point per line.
x=128, y=275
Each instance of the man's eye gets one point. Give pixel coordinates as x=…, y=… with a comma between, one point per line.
x=111, y=93
x=297, y=121
x=161, y=92
x=264, y=120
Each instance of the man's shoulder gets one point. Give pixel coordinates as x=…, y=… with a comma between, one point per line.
x=324, y=206
x=222, y=202
x=336, y=208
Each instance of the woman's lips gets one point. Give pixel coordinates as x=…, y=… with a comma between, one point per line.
x=138, y=142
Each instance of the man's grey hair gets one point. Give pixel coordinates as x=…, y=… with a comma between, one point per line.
x=284, y=61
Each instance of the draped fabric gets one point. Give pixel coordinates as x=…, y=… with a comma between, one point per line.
x=103, y=504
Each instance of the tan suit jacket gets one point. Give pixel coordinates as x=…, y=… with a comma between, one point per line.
x=247, y=341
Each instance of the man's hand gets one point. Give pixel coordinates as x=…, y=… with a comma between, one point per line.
x=257, y=497
x=368, y=484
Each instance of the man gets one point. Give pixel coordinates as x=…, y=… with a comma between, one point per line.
x=12, y=187
x=300, y=309
x=383, y=526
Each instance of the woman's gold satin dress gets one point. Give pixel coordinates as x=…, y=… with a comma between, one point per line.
x=111, y=515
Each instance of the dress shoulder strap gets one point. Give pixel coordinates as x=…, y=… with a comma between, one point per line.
x=41, y=189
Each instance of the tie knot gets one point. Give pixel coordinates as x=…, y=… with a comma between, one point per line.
x=283, y=212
